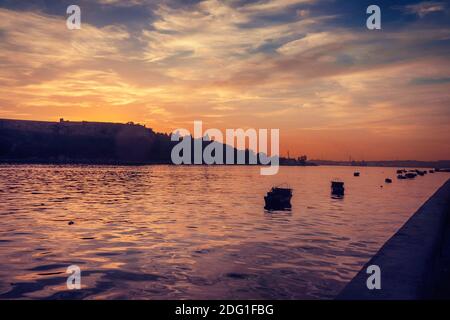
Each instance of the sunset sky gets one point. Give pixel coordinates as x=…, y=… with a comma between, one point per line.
x=308, y=67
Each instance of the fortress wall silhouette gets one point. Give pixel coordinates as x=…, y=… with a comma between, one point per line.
x=69, y=127
x=67, y=141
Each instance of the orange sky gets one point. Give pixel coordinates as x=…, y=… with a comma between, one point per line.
x=333, y=90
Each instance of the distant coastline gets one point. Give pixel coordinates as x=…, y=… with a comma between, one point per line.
x=440, y=164
x=103, y=143
x=96, y=143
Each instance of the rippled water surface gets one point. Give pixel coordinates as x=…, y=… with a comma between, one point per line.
x=166, y=232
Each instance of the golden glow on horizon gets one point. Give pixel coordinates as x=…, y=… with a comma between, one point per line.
x=333, y=94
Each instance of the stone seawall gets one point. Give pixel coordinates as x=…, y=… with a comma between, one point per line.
x=412, y=260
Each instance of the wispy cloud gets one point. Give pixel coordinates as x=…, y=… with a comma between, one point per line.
x=424, y=8
x=430, y=81
x=279, y=63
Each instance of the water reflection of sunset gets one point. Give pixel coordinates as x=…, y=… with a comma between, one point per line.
x=149, y=232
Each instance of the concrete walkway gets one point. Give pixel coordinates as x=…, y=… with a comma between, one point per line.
x=442, y=289
x=415, y=262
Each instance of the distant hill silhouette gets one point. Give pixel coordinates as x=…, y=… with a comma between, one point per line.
x=93, y=143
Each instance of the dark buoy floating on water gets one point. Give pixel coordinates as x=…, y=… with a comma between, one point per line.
x=420, y=173
x=337, y=188
x=410, y=175
x=278, y=198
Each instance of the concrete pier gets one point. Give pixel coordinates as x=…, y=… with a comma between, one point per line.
x=415, y=262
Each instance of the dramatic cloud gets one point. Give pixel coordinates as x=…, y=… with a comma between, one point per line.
x=332, y=86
